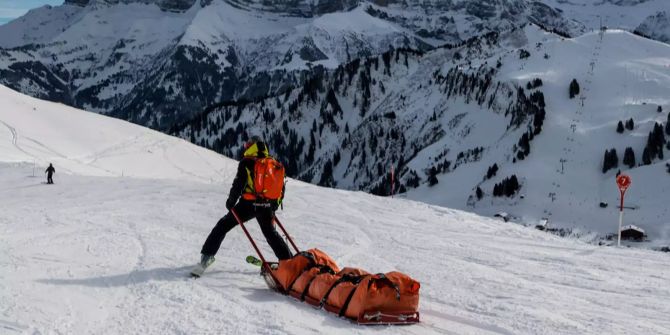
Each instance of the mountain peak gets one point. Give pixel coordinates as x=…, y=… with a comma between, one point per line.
x=169, y=5
x=304, y=8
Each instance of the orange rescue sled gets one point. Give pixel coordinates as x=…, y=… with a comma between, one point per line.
x=313, y=277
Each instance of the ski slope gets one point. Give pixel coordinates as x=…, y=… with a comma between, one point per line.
x=107, y=249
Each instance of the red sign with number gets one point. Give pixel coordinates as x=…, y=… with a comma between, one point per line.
x=623, y=181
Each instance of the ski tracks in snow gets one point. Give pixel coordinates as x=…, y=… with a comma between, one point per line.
x=111, y=256
x=15, y=138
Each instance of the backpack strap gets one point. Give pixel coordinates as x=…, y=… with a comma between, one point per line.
x=249, y=187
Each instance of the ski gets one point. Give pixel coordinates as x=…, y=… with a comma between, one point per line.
x=197, y=271
x=254, y=261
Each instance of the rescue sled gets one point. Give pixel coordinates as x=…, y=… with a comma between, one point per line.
x=365, y=298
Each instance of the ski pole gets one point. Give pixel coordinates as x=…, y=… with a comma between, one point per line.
x=287, y=235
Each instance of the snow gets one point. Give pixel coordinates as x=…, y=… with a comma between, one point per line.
x=633, y=227
x=657, y=26
x=107, y=249
x=43, y=132
x=630, y=78
x=624, y=15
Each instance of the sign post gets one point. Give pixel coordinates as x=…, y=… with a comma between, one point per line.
x=623, y=181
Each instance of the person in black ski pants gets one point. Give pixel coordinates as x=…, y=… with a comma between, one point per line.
x=50, y=172
x=247, y=208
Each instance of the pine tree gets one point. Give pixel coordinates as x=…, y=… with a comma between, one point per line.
x=479, y=193
x=432, y=177
x=512, y=186
x=610, y=161
x=336, y=158
x=619, y=128
x=659, y=109
x=629, y=157
x=630, y=124
x=646, y=156
x=492, y=170
x=614, y=160
x=327, y=175
x=524, y=144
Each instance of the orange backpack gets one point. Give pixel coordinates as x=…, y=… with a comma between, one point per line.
x=269, y=177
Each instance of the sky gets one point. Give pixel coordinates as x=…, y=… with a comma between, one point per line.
x=11, y=9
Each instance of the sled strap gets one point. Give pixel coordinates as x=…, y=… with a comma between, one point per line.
x=324, y=269
x=380, y=277
x=312, y=263
x=346, y=302
x=258, y=251
x=345, y=278
x=281, y=226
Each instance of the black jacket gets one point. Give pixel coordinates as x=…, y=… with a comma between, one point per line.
x=240, y=183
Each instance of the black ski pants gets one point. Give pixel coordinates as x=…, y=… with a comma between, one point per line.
x=50, y=179
x=246, y=211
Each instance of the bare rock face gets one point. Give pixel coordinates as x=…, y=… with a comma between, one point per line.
x=304, y=8
x=81, y=3
x=168, y=5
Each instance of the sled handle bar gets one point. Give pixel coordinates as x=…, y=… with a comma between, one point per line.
x=286, y=234
x=253, y=243
x=258, y=251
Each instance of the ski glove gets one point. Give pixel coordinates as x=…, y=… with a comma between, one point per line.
x=230, y=203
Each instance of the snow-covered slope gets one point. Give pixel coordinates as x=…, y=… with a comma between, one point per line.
x=617, y=14
x=83, y=143
x=110, y=254
x=457, y=111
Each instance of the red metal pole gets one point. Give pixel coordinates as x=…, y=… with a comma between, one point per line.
x=620, y=218
x=286, y=234
x=258, y=251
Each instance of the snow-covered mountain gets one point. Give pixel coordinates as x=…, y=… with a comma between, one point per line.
x=462, y=85
x=656, y=27
x=141, y=63
x=107, y=249
x=160, y=62
x=465, y=117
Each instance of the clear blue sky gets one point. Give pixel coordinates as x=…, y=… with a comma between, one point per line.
x=11, y=9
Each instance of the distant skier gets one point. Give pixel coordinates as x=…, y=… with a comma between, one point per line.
x=50, y=172
x=249, y=206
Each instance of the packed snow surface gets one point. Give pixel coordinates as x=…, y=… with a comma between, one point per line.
x=107, y=249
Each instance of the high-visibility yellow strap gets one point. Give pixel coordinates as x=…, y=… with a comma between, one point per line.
x=250, y=182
